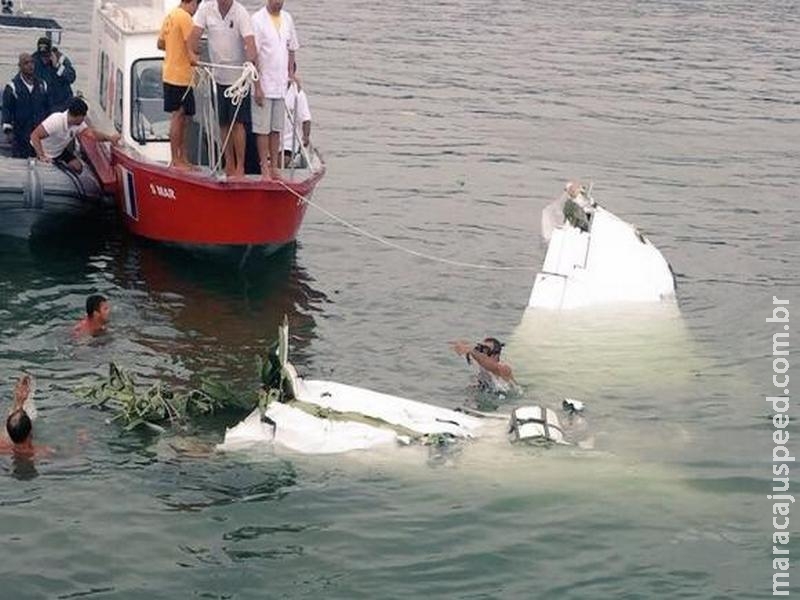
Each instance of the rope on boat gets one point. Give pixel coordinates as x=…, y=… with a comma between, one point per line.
x=390, y=244
x=236, y=92
x=240, y=88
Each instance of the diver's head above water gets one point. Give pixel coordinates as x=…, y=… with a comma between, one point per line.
x=19, y=426
x=491, y=347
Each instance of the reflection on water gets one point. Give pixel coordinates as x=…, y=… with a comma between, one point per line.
x=214, y=308
x=61, y=255
x=23, y=468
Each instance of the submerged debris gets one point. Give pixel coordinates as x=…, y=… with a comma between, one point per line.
x=158, y=405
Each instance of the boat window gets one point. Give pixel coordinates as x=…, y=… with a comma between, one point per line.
x=118, y=103
x=103, y=80
x=149, y=122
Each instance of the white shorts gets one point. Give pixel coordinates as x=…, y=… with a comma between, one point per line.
x=269, y=117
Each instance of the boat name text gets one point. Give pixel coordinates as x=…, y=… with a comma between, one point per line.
x=162, y=191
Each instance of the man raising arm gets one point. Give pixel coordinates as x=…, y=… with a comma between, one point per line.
x=19, y=425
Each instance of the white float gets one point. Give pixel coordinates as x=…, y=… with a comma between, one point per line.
x=594, y=258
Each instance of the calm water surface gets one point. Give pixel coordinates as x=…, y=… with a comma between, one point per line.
x=447, y=126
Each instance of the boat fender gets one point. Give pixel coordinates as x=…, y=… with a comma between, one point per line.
x=534, y=424
x=33, y=194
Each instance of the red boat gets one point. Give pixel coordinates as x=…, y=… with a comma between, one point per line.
x=199, y=207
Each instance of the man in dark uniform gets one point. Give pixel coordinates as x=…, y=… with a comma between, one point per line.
x=25, y=104
x=56, y=70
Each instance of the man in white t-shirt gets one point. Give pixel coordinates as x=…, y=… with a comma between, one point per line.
x=53, y=139
x=230, y=42
x=297, y=128
x=276, y=43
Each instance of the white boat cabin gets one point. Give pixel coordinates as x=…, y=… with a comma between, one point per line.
x=125, y=90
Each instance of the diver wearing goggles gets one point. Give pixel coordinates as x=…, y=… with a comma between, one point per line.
x=493, y=374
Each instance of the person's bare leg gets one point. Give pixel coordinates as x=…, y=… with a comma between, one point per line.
x=230, y=161
x=185, y=142
x=274, y=154
x=262, y=141
x=175, y=136
x=238, y=143
x=75, y=165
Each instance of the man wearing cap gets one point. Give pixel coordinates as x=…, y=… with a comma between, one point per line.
x=56, y=70
x=25, y=104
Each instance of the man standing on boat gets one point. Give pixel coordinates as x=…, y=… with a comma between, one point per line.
x=230, y=40
x=25, y=104
x=297, y=128
x=54, y=138
x=179, y=58
x=56, y=70
x=276, y=44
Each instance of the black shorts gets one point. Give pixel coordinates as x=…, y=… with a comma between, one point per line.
x=226, y=109
x=67, y=155
x=177, y=96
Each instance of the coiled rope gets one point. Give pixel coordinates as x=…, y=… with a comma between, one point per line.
x=236, y=92
x=396, y=246
x=239, y=89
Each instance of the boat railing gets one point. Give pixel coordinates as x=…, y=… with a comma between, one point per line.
x=206, y=95
x=210, y=145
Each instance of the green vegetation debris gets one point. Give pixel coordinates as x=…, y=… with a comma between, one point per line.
x=158, y=405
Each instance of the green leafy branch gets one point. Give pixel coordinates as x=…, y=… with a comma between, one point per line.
x=158, y=405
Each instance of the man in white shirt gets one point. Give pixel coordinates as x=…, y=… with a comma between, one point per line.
x=53, y=139
x=297, y=128
x=276, y=43
x=230, y=41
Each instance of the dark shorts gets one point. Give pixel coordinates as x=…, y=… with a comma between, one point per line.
x=177, y=96
x=67, y=155
x=226, y=109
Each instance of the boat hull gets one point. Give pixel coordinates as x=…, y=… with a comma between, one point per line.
x=194, y=208
x=38, y=199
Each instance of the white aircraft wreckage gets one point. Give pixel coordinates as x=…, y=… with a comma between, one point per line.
x=310, y=416
x=594, y=258
x=594, y=261
x=602, y=314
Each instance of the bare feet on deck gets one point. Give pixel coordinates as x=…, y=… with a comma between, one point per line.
x=271, y=175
